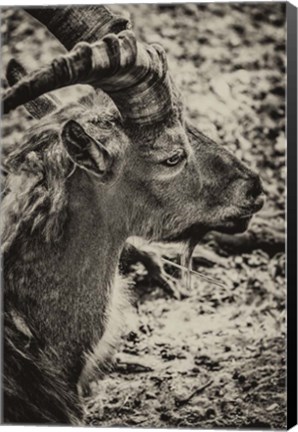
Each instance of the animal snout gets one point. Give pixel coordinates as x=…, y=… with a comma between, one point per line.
x=254, y=192
x=254, y=187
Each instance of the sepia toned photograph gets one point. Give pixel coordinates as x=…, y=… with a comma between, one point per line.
x=143, y=215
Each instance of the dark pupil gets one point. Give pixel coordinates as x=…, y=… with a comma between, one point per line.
x=174, y=159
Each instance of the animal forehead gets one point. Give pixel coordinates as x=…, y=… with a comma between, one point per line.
x=169, y=139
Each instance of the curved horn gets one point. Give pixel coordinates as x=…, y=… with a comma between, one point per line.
x=38, y=108
x=133, y=75
x=71, y=25
x=139, y=85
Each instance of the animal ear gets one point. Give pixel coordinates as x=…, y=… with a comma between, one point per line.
x=85, y=151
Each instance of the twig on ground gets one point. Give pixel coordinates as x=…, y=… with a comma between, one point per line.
x=180, y=402
x=127, y=368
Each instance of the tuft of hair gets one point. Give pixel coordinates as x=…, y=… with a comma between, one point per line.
x=100, y=359
x=33, y=391
x=35, y=175
x=35, y=194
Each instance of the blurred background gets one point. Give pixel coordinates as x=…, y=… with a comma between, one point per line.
x=216, y=357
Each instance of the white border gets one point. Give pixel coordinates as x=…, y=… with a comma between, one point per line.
x=81, y=2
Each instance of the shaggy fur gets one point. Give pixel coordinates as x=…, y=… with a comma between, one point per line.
x=33, y=390
x=35, y=206
x=100, y=357
x=34, y=192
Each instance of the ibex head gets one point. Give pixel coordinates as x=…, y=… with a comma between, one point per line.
x=166, y=179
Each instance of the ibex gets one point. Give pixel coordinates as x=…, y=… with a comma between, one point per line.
x=83, y=180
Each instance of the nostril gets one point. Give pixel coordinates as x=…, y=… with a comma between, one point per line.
x=255, y=188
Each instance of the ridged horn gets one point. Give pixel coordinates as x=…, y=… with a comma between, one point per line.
x=71, y=25
x=38, y=108
x=134, y=75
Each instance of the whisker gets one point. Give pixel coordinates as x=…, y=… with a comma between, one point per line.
x=200, y=275
x=187, y=262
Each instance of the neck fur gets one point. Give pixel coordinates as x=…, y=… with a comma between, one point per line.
x=62, y=289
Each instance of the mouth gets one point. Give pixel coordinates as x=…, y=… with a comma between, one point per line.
x=195, y=232
x=257, y=205
x=235, y=224
x=238, y=224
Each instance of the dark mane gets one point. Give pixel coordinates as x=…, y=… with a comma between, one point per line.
x=34, y=188
x=36, y=171
x=34, y=392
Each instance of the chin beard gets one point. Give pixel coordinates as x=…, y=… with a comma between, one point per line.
x=236, y=226
x=192, y=234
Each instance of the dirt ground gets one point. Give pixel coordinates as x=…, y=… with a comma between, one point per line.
x=216, y=358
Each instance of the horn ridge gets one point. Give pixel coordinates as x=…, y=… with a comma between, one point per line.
x=71, y=25
x=63, y=71
x=38, y=108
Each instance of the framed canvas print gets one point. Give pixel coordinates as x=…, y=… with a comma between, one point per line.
x=148, y=207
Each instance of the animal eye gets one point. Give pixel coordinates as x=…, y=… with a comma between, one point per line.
x=175, y=159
